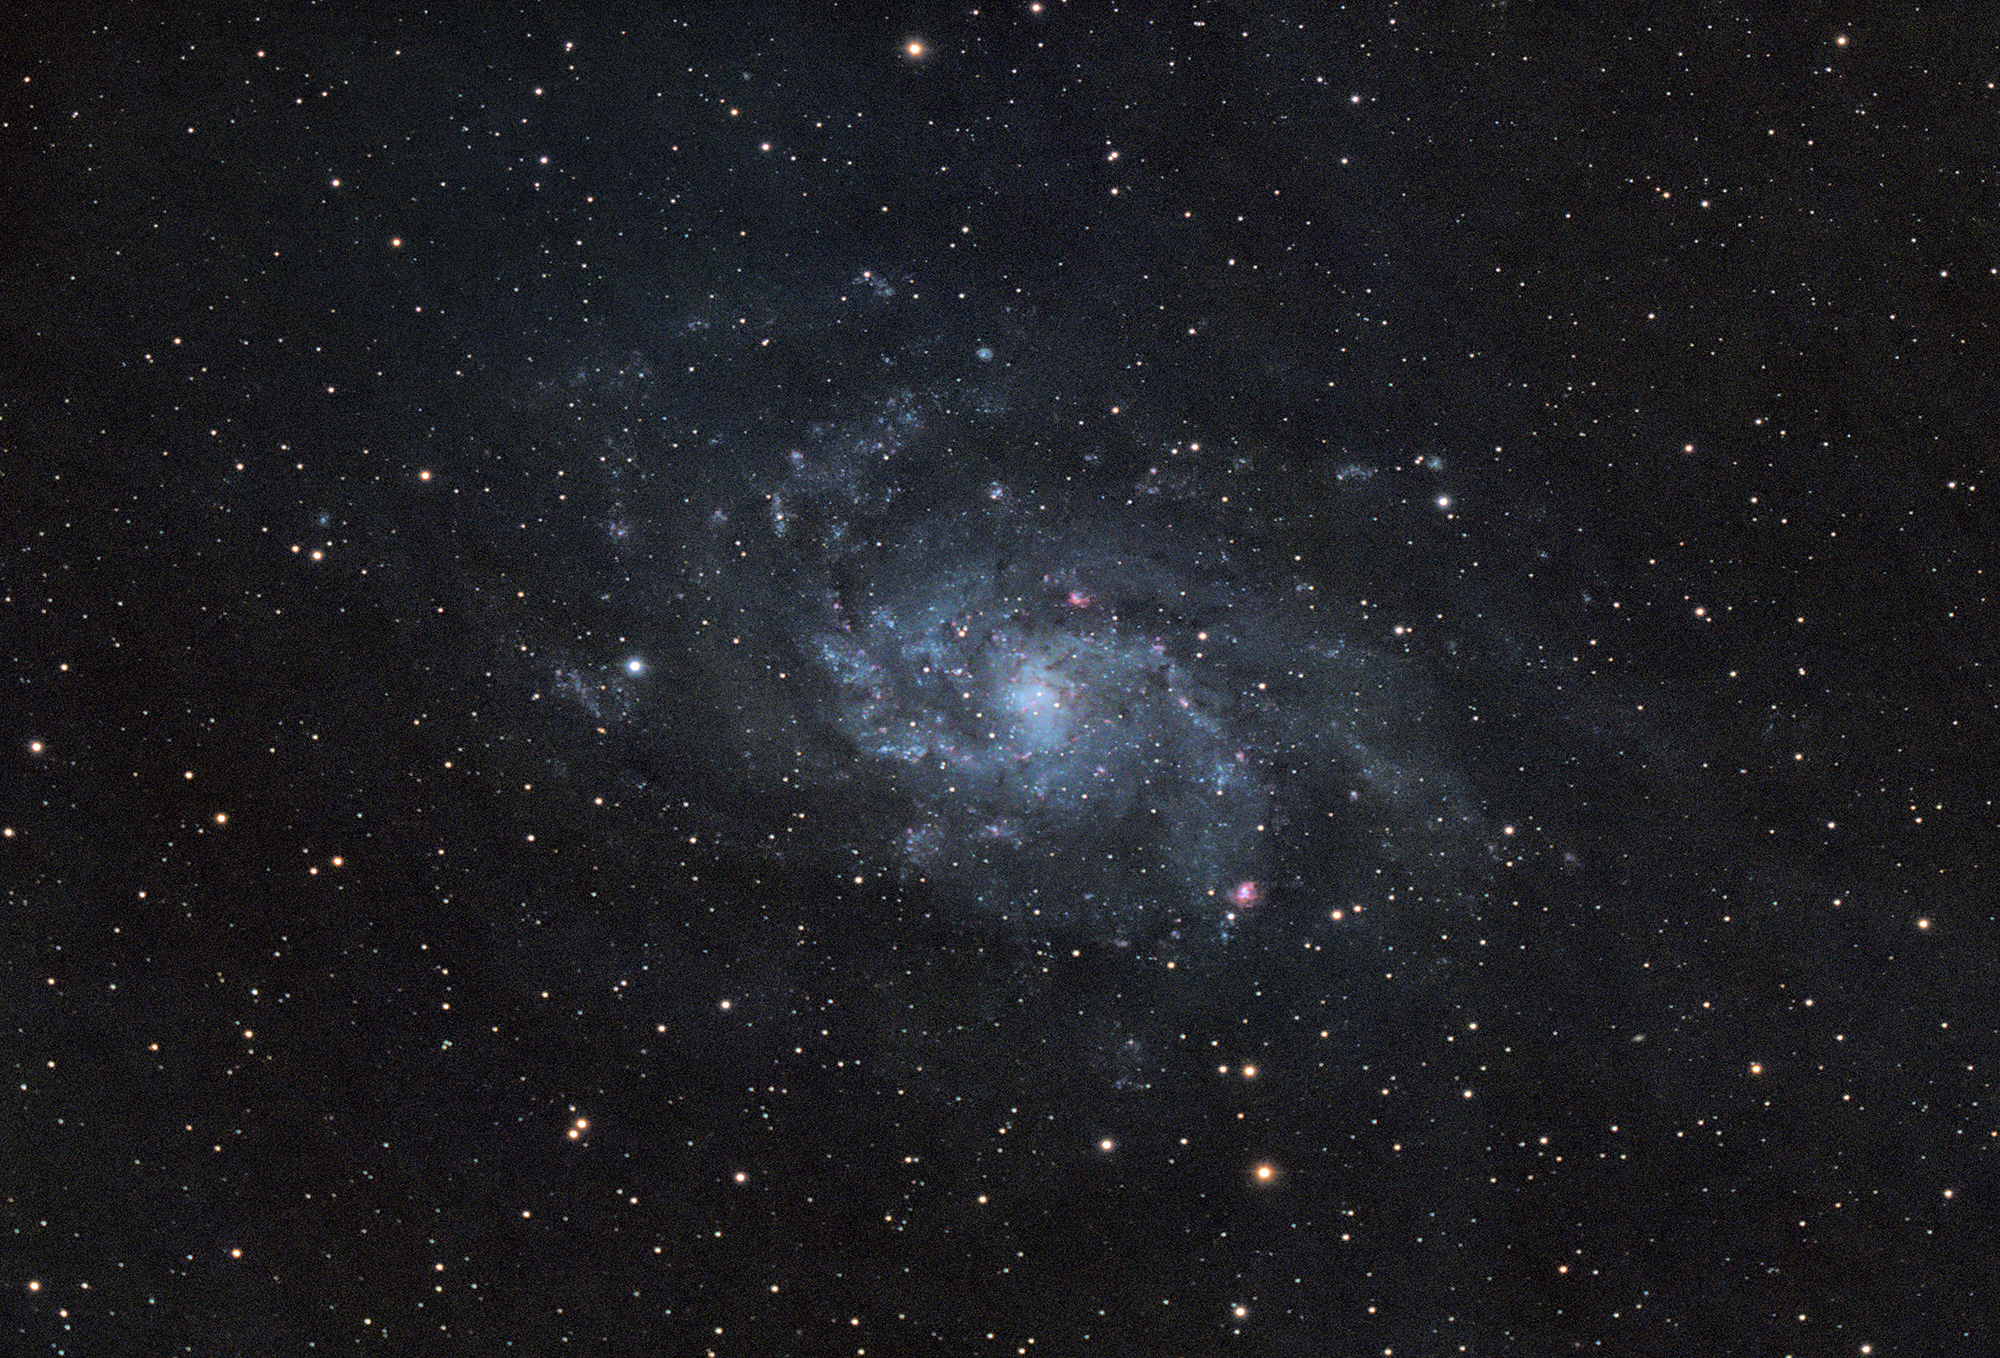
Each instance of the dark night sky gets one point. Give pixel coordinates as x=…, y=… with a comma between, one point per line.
x=1290, y=680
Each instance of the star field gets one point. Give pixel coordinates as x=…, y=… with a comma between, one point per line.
x=1006, y=680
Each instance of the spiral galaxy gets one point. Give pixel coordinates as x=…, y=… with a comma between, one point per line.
x=1106, y=708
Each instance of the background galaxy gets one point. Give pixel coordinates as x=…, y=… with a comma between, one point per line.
x=999, y=681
